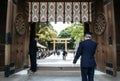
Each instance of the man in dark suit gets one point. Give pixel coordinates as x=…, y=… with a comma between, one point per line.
x=32, y=50
x=86, y=50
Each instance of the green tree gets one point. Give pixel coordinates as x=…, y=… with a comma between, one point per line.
x=64, y=34
x=45, y=32
x=78, y=31
x=74, y=31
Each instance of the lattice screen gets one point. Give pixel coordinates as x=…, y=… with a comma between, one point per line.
x=59, y=12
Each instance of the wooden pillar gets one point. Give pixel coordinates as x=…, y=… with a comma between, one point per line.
x=54, y=45
x=65, y=45
x=8, y=33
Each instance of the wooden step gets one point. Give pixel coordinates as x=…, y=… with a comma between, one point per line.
x=57, y=73
x=58, y=68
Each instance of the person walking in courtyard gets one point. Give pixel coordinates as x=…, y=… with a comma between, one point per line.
x=86, y=50
x=64, y=55
x=33, y=52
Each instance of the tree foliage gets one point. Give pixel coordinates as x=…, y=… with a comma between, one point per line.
x=78, y=31
x=75, y=31
x=45, y=32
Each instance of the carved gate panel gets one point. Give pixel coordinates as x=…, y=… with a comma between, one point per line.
x=104, y=29
x=19, y=44
x=111, y=44
x=19, y=51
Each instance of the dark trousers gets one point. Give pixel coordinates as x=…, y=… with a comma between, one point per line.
x=33, y=62
x=87, y=73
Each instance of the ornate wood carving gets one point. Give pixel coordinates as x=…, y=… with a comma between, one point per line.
x=100, y=24
x=20, y=24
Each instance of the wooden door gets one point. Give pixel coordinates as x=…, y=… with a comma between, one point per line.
x=111, y=39
x=117, y=24
x=104, y=34
x=3, y=12
x=19, y=41
x=20, y=36
x=18, y=51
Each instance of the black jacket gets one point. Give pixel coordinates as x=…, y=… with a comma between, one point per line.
x=86, y=50
x=33, y=47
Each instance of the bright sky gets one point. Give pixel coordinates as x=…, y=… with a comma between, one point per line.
x=59, y=26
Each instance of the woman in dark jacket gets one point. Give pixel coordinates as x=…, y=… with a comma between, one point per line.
x=32, y=50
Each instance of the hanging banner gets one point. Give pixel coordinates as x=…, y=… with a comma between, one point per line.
x=59, y=12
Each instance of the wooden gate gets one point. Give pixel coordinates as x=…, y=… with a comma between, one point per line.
x=17, y=36
x=20, y=36
x=111, y=37
x=117, y=24
x=3, y=11
x=104, y=29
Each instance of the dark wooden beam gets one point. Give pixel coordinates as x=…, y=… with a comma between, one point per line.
x=59, y=0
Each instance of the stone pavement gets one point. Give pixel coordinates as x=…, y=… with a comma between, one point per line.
x=57, y=61
x=23, y=76
x=56, y=75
